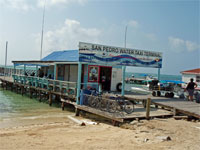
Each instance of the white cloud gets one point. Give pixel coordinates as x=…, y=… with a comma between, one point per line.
x=176, y=44
x=133, y=23
x=16, y=4
x=179, y=45
x=191, y=46
x=59, y=2
x=151, y=36
x=68, y=36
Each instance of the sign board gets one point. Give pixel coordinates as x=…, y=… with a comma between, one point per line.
x=112, y=56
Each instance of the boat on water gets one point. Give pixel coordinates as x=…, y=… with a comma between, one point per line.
x=151, y=85
x=140, y=85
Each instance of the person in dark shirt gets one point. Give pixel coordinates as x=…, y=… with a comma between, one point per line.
x=190, y=88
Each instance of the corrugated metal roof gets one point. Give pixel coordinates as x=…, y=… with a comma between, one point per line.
x=65, y=55
x=193, y=71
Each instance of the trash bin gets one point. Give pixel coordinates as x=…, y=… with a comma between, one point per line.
x=84, y=97
x=197, y=97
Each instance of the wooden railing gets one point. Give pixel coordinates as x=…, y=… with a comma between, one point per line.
x=65, y=88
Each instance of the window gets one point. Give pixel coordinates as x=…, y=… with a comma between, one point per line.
x=197, y=78
x=93, y=72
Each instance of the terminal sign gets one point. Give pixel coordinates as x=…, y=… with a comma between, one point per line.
x=118, y=56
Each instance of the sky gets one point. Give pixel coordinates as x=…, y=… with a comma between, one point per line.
x=167, y=26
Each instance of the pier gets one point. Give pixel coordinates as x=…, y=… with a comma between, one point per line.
x=65, y=92
x=40, y=88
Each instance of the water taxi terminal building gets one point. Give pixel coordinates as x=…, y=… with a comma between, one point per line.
x=93, y=66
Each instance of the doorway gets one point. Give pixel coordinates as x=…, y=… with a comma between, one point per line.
x=105, y=77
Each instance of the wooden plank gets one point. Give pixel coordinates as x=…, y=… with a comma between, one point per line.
x=68, y=101
x=185, y=105
x=140, y=112
x=180, y=117
x=181, y=106
x=99, y=113
x=189, y=113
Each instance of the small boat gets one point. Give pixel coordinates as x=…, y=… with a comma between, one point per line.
x=138, y=85
x=140, y=90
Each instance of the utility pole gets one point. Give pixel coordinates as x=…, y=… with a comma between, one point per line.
x=42, y=29
x=124, y=68
x=125, y=36
x=5, y=58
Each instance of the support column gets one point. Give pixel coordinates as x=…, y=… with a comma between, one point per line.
x=24, y=69
x=123, y=79
x=79, y=83
x=36, y=74
x=159, y=74
x=55, y=71
x=14, y=69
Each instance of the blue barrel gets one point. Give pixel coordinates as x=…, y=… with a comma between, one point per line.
x=84, y=97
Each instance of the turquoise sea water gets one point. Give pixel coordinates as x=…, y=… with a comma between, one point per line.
x=162, y=76
x=17, y=110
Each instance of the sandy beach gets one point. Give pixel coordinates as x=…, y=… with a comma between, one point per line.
x=68, y=135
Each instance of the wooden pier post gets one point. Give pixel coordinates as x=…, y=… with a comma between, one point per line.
x=22, y=90
x=39, y=95
x=50, y=99
x=148, y=108
x=17, y=87
x=6, y=85
x=63, y=105
x=12, y=85
x=31, y=92
x=1, y=83
x=77, y=111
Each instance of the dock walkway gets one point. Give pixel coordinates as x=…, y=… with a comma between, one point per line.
x=176, y=105
x=139, y=112
x=179, y=106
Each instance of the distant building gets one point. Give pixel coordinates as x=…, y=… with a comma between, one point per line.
x=188, y=74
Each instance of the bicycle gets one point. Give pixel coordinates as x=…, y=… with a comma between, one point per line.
x=120, y=104
x=96, y=100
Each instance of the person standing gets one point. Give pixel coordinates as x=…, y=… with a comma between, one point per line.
x=190, y=88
